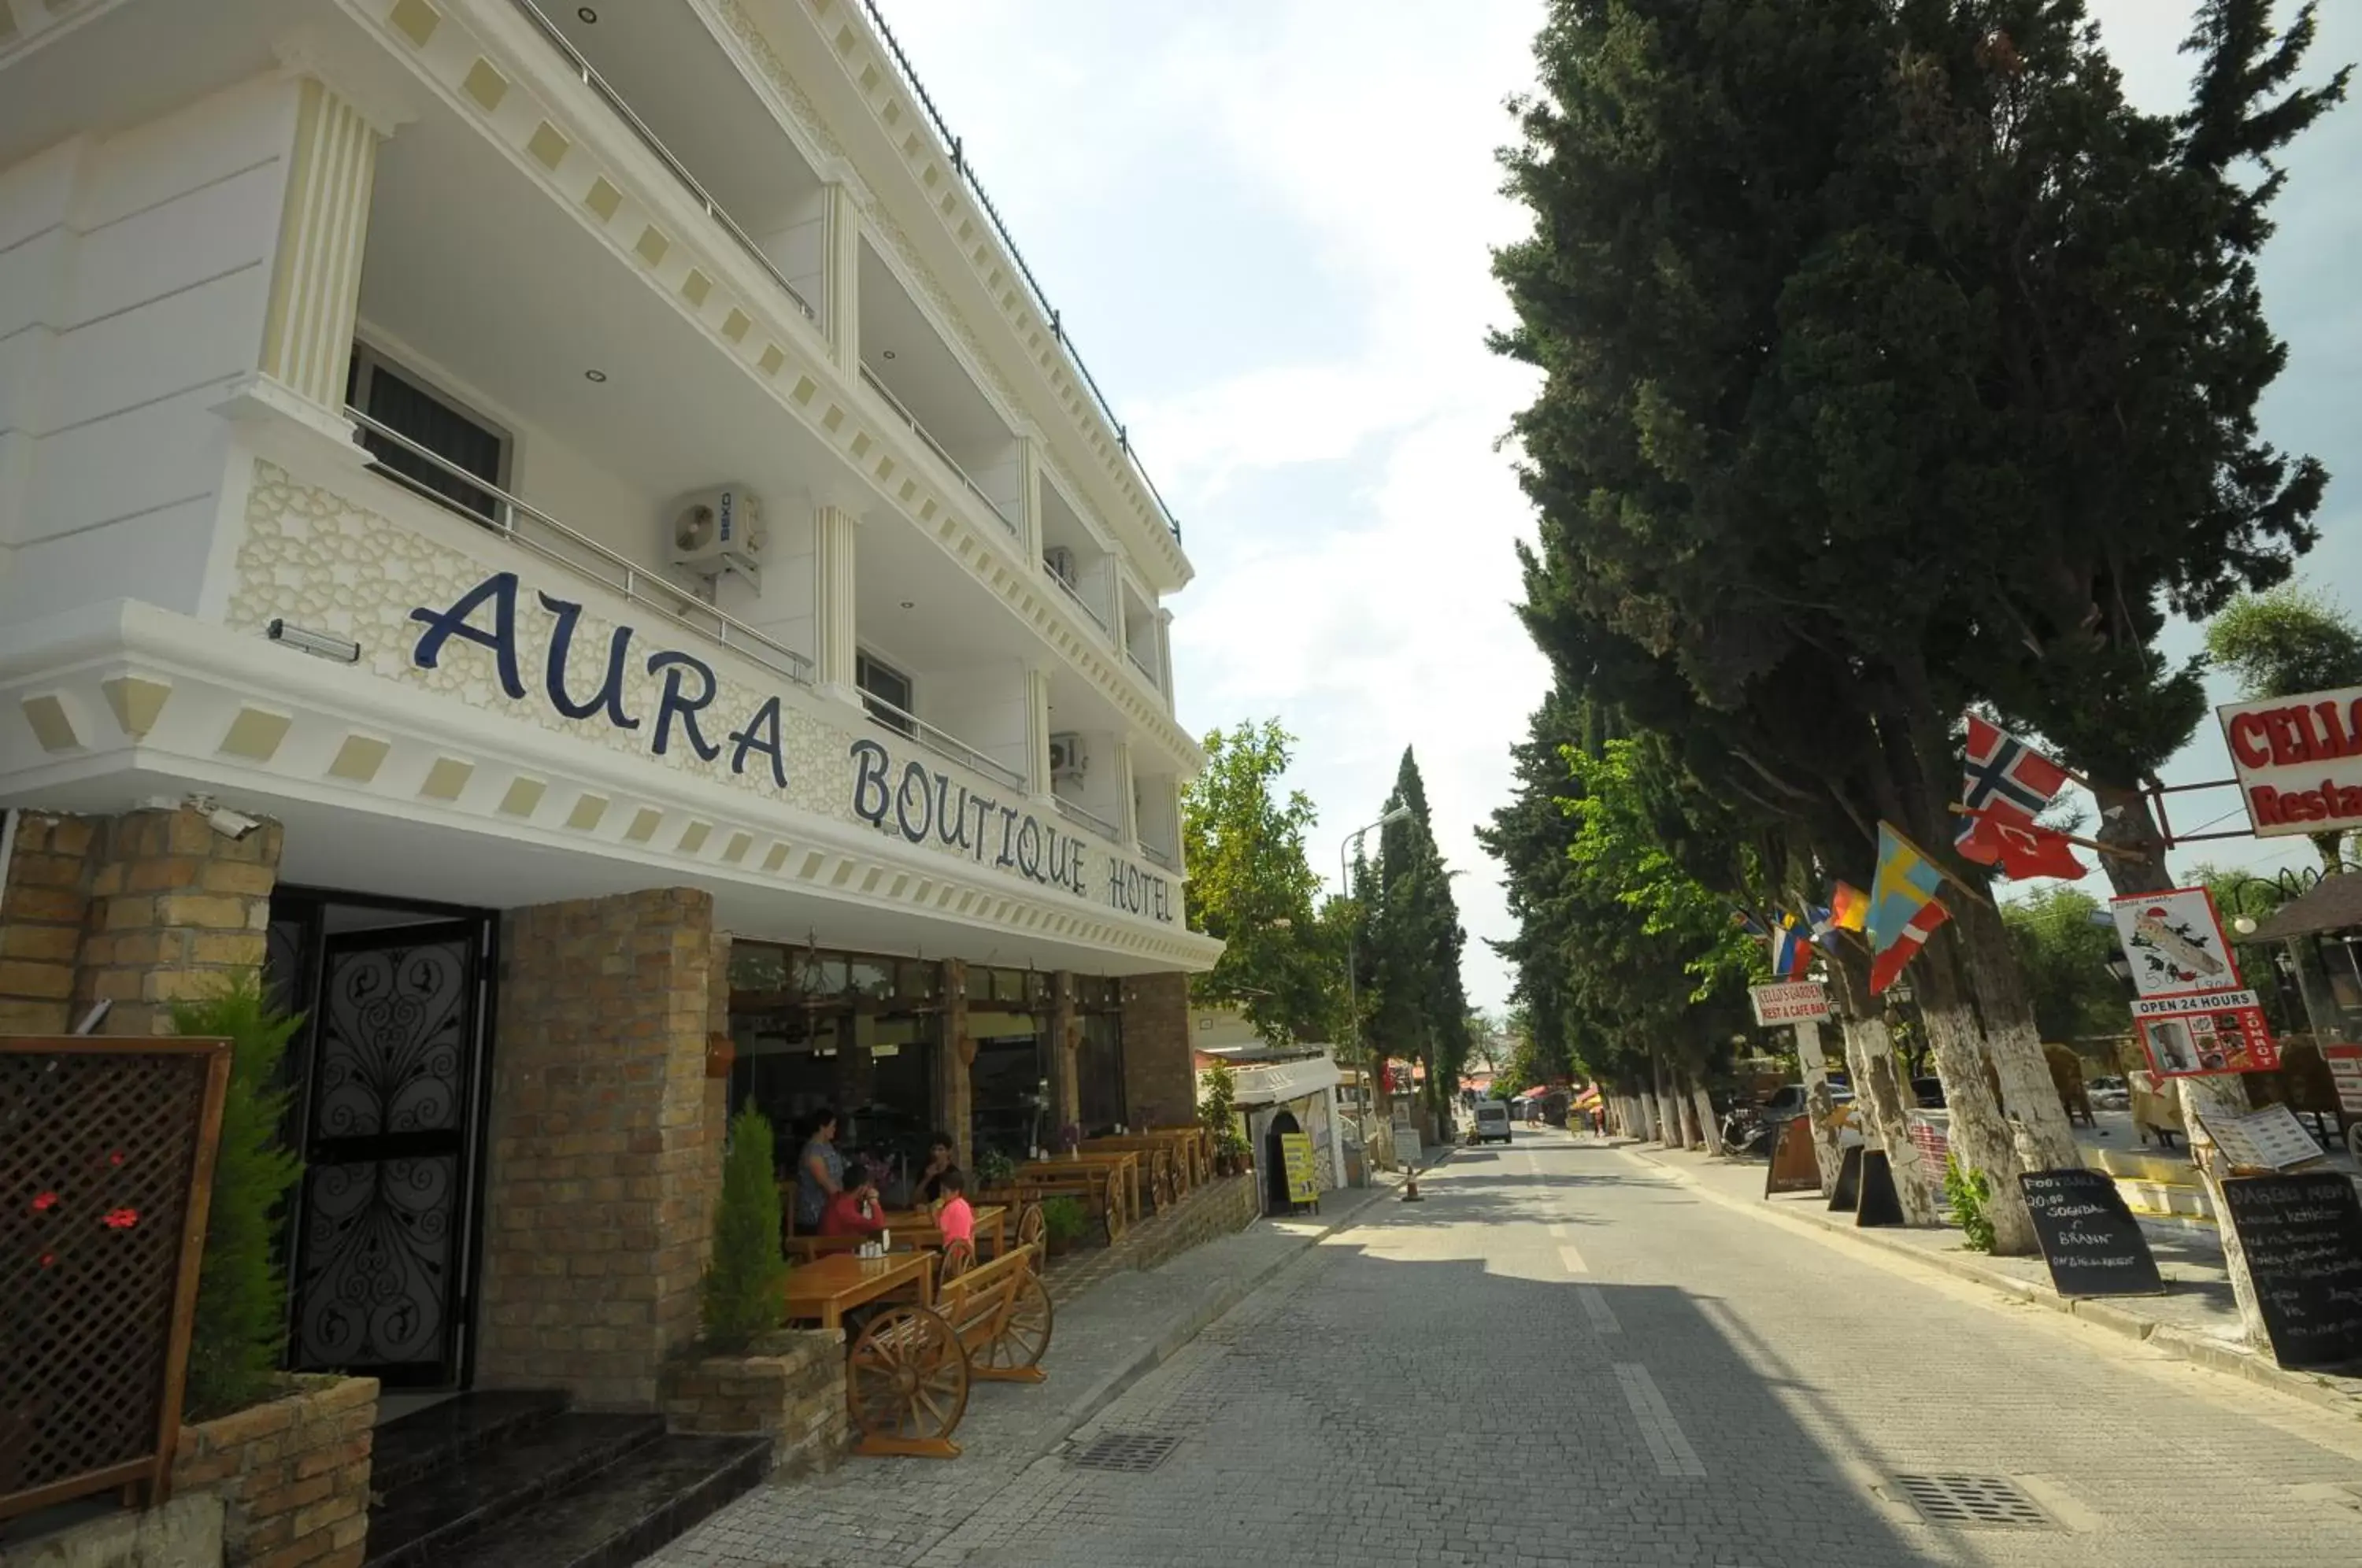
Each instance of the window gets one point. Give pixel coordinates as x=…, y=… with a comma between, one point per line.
x=887, y=693
x=402, y=401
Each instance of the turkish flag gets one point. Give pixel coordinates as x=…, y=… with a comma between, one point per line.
x=2004, y=835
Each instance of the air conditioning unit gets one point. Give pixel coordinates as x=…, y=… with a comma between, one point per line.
x=717, y=530
x=1061, y=562
x=1066, y=759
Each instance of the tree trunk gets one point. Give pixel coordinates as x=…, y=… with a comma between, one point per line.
x=1880, y=1090
x=1702, y=1106
x=1826, y=1154
x=2127, y=823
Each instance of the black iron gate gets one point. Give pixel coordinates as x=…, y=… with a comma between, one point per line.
x=388, y=1071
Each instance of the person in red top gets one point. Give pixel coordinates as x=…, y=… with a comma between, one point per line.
x=853, y=1213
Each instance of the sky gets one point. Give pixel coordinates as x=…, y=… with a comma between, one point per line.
x=1267, y=225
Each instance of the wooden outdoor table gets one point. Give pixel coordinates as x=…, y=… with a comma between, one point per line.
x=828, y=1288
x=1167, y=1154
x=1126, y=1165
x=991, y=1220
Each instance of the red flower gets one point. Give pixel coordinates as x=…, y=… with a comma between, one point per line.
x=49, y=1259
x=45, y=1201
x=115, y=1158
x=120, y=1219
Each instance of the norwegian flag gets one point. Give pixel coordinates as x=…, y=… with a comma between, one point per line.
x=2004, y=782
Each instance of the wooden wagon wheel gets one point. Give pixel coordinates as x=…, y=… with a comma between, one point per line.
x=906, y=1380
x=1032, y=1230
x=1116, y=1224
x=957, y=1259
x=1025, y=1336
x=1161, y=1180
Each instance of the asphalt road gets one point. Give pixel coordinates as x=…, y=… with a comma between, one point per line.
x=1563, y=1355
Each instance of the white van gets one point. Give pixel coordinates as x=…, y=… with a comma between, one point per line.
x=1492, y=1121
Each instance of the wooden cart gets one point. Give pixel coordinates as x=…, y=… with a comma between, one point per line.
x=1169, y=1162
x=907, y=1378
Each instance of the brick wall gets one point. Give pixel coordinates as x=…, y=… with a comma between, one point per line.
x=293, y=1476
x=46, y=906
x=1160, y=1087
x=603, y=1167
x=791, y=1387
x=1218, y=1208
x=140, y=910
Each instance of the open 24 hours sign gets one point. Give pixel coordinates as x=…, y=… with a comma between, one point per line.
x=2193, y=1013
x=2299, y=760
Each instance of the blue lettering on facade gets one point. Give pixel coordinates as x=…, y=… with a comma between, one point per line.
x=499, y=590
x=674, y=703
x=761, y=733
x=609, y=698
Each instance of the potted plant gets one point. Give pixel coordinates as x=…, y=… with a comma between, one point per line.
x=994, y=1168
x=1064, y=1221
x=740, y=1295
x=1218, y=1113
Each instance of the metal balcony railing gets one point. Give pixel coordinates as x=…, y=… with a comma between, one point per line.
x=942, y=742
x=1170, y=862
x=662, y=154
x=1080, y=602
x=528, y=527
x=1132, y=651
x=1089, y=819
x=869, y=377
x=1057, y=328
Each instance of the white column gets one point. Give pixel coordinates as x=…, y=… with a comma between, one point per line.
x=836, y=561
x=1164, y=654
x=307, y=332
x=840, y=276
x=1028, y=496
x=1127, y=819
x=1037, y=733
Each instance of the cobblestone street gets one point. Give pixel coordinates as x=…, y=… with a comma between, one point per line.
x=1566, y=1356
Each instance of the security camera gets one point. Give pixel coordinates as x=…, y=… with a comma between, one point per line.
x=225, y=821
x=231, y=824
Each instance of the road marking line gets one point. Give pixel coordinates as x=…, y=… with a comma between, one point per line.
x=1667, y=1444
x=1571, y=1259
x=1603, y=1316
x=1560, y=1230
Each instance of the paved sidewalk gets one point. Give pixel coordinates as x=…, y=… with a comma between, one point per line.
x=871, y=1511
x=2195, y=1320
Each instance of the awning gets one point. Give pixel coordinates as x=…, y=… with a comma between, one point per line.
x=1278, y=1081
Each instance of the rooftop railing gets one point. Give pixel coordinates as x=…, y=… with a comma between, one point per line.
x=1057, y=328
x=529, y=527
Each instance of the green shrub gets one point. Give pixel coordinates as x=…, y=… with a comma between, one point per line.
x=241, y=1317
x=742, y=1283
x=995, y=1168
x=1967, y=1193
x=1065, y=1219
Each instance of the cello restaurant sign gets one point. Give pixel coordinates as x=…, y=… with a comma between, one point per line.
x=2299, y=760
x=676, y=705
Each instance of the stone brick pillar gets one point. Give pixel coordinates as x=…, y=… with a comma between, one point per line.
x=597, y=1204
x=1160, y=1085
x=44, y=905
x=952, y=1063
x=1066, y=1039
x=140, y=910
x=178, y=913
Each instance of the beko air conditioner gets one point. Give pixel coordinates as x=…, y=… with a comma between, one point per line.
x=1066, y=759
x=718, y=530
x=1061, y=562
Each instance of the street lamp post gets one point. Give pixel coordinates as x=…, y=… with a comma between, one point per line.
x=1353, y=987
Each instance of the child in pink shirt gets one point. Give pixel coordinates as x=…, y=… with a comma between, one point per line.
x=953, y=1216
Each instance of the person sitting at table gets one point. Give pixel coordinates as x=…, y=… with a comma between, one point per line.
x=955, y=1217
x=855, y=1212
x=941, y=1157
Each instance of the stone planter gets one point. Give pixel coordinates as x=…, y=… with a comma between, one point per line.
x=293, y=1474
x=789, y=1386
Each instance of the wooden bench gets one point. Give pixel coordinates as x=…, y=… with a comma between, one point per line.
x=907, y=1379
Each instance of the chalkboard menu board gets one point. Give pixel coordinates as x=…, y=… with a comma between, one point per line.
x=2304, y=1238
x=2089, y=1238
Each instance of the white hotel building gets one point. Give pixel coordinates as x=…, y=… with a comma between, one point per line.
x=599, y=488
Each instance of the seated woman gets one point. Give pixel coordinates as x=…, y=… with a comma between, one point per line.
x=953, y=1215
x=855, y=1212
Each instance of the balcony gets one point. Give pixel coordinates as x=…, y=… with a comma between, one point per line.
x=869, y=379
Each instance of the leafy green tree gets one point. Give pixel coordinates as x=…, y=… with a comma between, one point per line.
x=2283, y=643
x=241, y=1316
x=1253, y=886
x=2063, y=939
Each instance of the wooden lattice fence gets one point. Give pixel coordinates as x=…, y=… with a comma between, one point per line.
x=106, y=1158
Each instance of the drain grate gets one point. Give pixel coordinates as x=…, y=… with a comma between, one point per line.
x=1973, y=1502
x=1132, y=1452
